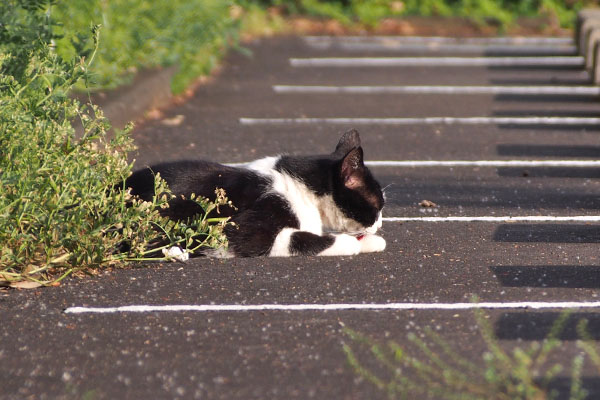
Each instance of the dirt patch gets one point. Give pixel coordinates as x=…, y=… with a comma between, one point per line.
x=427, y=26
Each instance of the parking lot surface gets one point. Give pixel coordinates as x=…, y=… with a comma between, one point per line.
x=548, y=256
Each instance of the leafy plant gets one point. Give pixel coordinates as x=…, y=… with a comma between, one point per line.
x=59, y=209
x=440, y=372
x=502, y=13
x=191, y=34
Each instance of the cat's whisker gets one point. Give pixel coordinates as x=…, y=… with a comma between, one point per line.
x=385, y=188
x=383, y=191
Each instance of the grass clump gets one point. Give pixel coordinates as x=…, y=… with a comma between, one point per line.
x=59, y=210
x=502, y=13
x=137, y=34
x=439, y=371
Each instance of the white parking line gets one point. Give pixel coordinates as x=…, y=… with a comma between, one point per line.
x=471, y=163
x=436, y=47
x=335, y=307
x=522, y=90
x=425, y=121
x=527, y=218
x=515, y=40
x=485, y=163
x=576, y=61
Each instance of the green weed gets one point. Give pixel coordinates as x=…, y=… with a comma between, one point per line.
x=502, y=13
x=59, y=210
x=439, y=371
x=137, y=34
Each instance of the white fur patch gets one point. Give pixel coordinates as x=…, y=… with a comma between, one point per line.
x=334, y=220
x=263, y=166
x=176, y=253
x=303, y=202
x=281, y=245
x=372, y=243
x=344, y=245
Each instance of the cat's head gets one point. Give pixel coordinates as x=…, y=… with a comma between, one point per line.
x=355, y=191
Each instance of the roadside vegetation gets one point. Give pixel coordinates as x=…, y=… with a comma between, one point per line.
x=138, y=34
x=194, y=34
x=60, y=211
x=432, y=368
x=500, y=13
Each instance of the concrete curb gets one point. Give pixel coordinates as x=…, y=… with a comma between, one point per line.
x=587, y=38
x=583, y=16
x=584, y=40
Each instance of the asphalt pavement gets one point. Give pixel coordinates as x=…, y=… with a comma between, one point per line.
x=48, y=354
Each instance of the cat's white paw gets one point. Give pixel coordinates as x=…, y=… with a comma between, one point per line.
x=176, y=253
x=344, y=245
x=372, y=243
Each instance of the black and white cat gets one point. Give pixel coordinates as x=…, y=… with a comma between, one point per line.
x=327, y=205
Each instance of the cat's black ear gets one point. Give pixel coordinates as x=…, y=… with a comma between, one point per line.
x=352, y=169
x=348, y=141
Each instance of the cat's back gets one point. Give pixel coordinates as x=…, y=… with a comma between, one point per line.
x=201, y=178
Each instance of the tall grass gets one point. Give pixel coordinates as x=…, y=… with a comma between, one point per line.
x=136, y=34
x=59, y=209
x=433, y=368
x=502, y=13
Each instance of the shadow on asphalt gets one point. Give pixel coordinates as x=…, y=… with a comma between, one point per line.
x=562, y=386
x=546, y=98
x=537, y=325
x=551, y=276
x=549, y=172
x=530, y=326
x=517, y=68
x=546, y=113
x=551, y=128
x=541, y=51
x=532, y=150
x=548, y=233
x=463, y=194
x=528, y=81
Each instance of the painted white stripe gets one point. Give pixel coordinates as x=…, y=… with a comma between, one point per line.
x=335, y=307
x=485, y=163
x=527, y=218
x=436, y=47
x=526, y=90
x=515, y=40
x=576, y=61
x=471, y=163
x=425, y=120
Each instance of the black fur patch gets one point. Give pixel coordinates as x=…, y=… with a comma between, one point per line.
x=314, y=172
x=243, y=187
x=307, y=243
x=257, y=227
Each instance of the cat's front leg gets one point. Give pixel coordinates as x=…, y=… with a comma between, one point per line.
x=291, y=242
x=346, y=245
x=343, y=245
x=372, y=243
